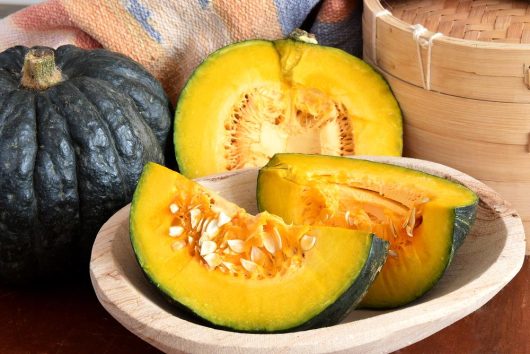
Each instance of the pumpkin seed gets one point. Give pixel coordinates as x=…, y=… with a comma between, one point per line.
x=208, y=247
x=211, y=228
x=175, y=231
x=178, y=245
x=194, y=217
x=238, y=246
x=230, y=266
x=392, y=227
x=277, y=238
x=173, y=208
x=347, y=217
x=256, y=255
x=249, y=266
x=411, y=222
x=223, y=219
x=212, y=259
x=268, y=243
x=229, y=251
x=307, y=242
x=410, y=219
x=392, y=253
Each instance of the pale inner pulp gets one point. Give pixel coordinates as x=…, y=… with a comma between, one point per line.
x=269, y=120
x=241, y=244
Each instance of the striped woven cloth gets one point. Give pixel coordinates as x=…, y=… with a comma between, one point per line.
x=171, y=37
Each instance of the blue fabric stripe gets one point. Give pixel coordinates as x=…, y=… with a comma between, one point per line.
x=292, y=13
x=142, y=15
x=346, y=35
x=204, y=3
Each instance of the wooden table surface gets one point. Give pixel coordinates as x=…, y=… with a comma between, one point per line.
x=69, y=319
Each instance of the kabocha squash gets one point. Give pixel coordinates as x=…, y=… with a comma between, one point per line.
x=244, y=272
x=255, y=98
x=425, y=218
x=76, y=128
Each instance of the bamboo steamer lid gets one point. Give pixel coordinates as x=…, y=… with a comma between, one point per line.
x=483, y=51
x=460, y=71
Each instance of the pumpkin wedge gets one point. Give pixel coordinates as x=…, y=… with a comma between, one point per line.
x=244, y=272
x=425, y=218
x=255, y=98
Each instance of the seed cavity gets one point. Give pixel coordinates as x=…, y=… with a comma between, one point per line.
x=239, y=244
x=268, y=119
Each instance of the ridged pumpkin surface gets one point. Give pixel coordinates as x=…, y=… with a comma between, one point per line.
x=71, y=154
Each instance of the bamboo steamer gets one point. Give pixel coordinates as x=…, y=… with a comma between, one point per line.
x=460, y=70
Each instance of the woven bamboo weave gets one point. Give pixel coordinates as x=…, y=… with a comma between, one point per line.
x=484, y=20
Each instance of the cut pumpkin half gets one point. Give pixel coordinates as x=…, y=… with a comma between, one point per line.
x=424, y=218
x=244, y=272
x=253, y=99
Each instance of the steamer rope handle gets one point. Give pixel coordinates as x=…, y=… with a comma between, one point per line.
x=417, y=32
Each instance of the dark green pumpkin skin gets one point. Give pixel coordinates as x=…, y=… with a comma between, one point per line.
x=71, y=155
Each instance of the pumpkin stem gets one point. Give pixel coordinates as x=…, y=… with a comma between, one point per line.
x=303, y=36
x=39, y=71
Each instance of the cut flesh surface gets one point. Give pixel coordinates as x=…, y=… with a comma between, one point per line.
x=253, y=99
x=425, y=218
x=245, y=272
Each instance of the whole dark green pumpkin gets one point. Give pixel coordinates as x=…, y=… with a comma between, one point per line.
x=76, y=128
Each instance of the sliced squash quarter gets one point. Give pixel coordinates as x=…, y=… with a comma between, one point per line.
x=244, y=272
x=424, y=218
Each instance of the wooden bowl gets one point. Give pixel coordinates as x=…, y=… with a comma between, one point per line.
x=489, y=258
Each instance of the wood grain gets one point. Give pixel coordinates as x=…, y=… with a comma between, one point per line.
x=490, y=257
